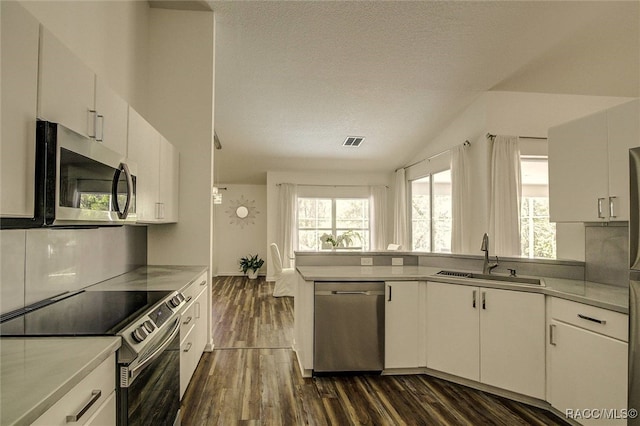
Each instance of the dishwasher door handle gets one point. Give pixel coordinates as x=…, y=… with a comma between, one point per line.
x=366, y=293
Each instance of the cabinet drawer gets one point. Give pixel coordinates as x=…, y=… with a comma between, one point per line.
x=187, y=321
x=604, y=321
x=83, y=395
x=196, y=287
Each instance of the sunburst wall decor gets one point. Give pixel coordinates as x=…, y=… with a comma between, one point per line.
x=242, y=212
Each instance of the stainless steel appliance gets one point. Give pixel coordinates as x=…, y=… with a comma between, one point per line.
x=78, y=181
x=634, y=285
x=148, y=362
x=348, y=327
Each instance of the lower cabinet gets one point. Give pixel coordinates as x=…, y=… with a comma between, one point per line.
x=193, y=331
x=402, y=336
x=488, y=335
x=587, y=368
x=90, y=402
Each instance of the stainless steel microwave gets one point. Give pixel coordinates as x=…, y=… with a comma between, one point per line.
x=78, y=182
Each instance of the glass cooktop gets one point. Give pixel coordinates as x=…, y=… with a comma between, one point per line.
x=88, y=313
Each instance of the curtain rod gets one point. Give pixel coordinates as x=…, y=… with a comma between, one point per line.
x=465, y=143
x=490, y=136
x=333, y=186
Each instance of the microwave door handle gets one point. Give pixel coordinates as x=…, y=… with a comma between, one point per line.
x=123, y=168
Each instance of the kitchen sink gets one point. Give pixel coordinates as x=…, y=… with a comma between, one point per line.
x=490, y=277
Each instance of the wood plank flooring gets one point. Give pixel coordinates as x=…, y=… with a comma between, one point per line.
x=252, y=378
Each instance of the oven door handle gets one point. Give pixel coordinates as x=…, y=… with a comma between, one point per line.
x=134, y=371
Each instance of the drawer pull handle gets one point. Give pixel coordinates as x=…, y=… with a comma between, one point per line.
x=95, y=395
x=552, y=334
x=187, y=321
x=204, y=282
x=188, y=348
x=584, y=317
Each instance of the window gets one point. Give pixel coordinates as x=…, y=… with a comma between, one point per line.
x=537, y=234
x=431, y=213
x=317, y=216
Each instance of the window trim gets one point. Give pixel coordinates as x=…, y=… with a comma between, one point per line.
x=430, y=175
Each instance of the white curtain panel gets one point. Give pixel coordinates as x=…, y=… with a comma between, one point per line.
x=505, y=191
x=400, y=228
x=460, y=199
x=378, y=217
x=286, y=235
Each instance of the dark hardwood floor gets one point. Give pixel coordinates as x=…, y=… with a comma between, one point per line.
x=252, y=377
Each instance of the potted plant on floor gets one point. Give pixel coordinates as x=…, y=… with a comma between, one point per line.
x=250, y=265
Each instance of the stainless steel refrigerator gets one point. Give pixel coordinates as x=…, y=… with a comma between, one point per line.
x=634, y=284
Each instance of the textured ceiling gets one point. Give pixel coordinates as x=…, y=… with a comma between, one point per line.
x=294, y=79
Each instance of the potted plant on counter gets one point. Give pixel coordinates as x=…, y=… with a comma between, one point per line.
x=250, y=265
x=343, y=240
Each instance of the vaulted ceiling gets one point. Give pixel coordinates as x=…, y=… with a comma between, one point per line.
x=294, y=79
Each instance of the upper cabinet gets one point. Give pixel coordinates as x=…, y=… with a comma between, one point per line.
x=111, y=119
x=157, y=180
x=588, y=165
x=71, y=94
x=19, y=32
x=67, y=87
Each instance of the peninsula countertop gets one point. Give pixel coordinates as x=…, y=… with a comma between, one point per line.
x=605, y=296
x=37, y=371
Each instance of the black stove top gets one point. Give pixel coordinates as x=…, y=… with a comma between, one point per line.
x=88, y=313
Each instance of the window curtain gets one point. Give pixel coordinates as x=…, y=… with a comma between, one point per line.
x=378, y=217
x=505, y=191
x=400, y=228
x=288, y=209
x=460, y=199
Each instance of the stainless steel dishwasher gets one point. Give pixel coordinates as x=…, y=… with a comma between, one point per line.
x=348, y=327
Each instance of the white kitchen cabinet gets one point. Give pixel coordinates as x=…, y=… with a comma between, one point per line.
x=112, y=116
x=587, y=369
x=92, y=400
x=488, y=335
x=589, y=166
x=157, y=181
x=402, y=319
x=512, y=345
x=66, y=92
x=193, y=331
x=19, y=36
x=453, y=332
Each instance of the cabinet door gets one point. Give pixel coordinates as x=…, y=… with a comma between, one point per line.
x=587, y=371
x=512, y=345
x=112, y=117
x=169, y=180
x=187, y=366
x=67, y=87
x=19, y=33
x=453, y=330
x=200, y=311
x=401, y=335
x=143, y=148
x=624, y=133
x=578, y=174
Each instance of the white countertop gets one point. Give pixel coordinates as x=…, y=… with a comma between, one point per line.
x=601, y=295
x=37, y=371
x=146, y=278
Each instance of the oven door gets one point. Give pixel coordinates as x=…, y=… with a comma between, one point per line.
x=94, y=184
x=149, y=390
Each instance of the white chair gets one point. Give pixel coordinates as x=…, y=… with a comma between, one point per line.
x=285, y=278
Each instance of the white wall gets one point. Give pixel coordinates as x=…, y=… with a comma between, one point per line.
x=512, y=113
x=180, y=81
x=321, y=179
x=111, y=37
x=236, y=238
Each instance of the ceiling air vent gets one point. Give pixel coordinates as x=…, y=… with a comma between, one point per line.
x=353, y=141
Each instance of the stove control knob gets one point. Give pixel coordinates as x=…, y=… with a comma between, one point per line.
x=148, y=326
x=180, y=296
x=175, y=301
x=139, y=334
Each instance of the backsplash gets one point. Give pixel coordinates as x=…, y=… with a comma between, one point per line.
x=40, y=263
x=607, y=254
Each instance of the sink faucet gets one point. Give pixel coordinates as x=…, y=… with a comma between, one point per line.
x=487, y=267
